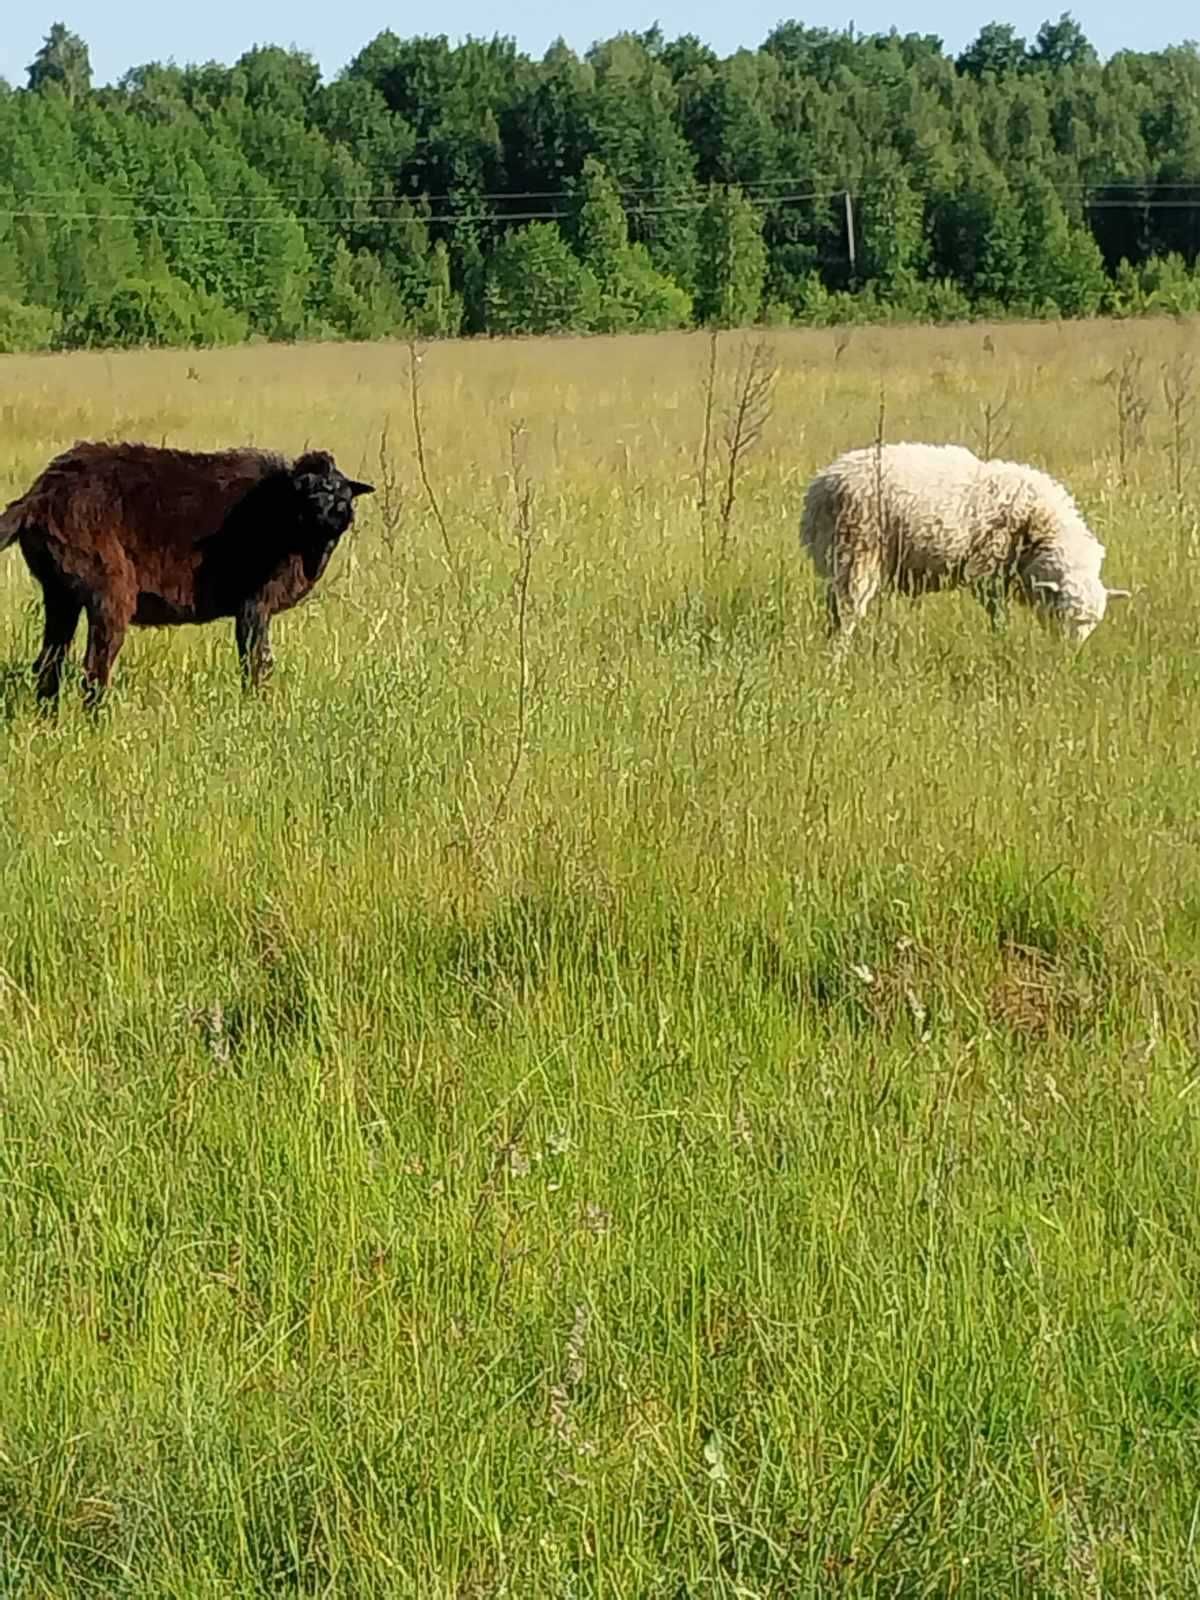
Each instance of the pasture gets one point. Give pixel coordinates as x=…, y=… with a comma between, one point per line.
x=566, y=1096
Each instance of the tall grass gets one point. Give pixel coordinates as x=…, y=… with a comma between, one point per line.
x=758, y=1158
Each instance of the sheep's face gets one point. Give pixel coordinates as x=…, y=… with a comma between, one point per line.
x=1061, y=566
x=1076, y=605
x=325, y=507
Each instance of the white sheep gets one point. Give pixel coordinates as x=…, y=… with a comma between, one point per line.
x=923, y=517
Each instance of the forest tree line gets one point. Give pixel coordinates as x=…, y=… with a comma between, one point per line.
x=435, y=189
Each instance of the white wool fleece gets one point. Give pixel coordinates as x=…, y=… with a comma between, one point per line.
x=923, y=516
x=1063, y=569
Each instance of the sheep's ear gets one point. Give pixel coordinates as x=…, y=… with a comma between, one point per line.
x=1046, y=585
x=313, y=464
x=357, y=488
x=1120, y=594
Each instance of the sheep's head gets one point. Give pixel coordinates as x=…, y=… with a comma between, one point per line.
x=1057, y=556
x=326, y=506
x=1076, y=602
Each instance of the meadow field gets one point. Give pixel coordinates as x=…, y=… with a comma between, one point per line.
x=567, y=1095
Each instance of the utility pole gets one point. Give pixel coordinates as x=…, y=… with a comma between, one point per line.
x=850, y=237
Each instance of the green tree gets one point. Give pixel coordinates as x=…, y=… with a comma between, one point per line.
x=1083, y=282
x=536, y=285
x=386, y=197
x=998, y=49
x=441, y=313
x=688, y=58
x=1061, y=44
x=975, y=234
x=650, y=300
x=732, y=120
x=633, y=294
x=1001, y=276
x=547, y=129
x=893, y=250
x=822, y=54
x=361, y=303
x=1063, y=269
x=601, y=231
x=732, y=259
x=153, y=311
x=635, y=132
x=25, y=327
x=62, y=62
x=282, y=81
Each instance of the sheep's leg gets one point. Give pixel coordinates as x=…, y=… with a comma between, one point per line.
x=850, y=595
x=253, y=633
x=108, y=620
x=994, y=601
x=62, y=619
x=841, y=622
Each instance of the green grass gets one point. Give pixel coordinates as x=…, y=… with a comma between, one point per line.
x=765, y=1163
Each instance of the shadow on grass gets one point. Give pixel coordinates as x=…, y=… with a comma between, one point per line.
x=999, y=943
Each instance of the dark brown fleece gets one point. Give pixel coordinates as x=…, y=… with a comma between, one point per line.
x=145, y=537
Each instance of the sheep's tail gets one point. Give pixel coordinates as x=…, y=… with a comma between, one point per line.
x=13, y=520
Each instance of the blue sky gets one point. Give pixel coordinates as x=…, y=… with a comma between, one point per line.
x=122, y=35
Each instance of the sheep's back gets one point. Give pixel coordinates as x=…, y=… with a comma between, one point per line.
x=156, y=504
x=906, y=501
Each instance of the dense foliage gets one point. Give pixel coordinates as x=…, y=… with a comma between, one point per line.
x=440, y=189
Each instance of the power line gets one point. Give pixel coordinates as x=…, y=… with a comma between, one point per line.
x=395, y=198
x=695, y=187
x=499, y=218
x=449, y=219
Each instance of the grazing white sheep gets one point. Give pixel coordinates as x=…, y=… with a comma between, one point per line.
x=922, y=517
